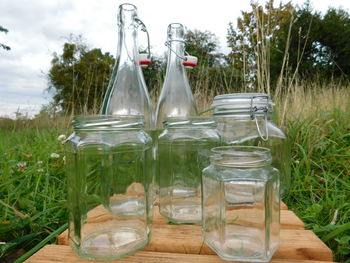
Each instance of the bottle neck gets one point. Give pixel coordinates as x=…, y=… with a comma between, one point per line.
x=127, y=44
x=176, y=53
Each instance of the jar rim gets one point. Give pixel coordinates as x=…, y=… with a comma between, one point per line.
x=189, y=122
x=238, y=103
x=108, y=122
x=241, y=156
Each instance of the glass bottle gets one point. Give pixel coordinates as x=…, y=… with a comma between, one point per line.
x=110, y=197
x=236, y=230
x=127, y=92
x=176, y=98
x=244, y=119
x=183, y=151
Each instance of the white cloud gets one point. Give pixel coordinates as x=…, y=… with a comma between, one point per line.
x=38, y=28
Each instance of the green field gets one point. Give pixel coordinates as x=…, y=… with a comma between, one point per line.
x=33, y=184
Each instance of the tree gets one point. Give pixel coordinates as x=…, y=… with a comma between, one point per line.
x=79, y=77
x=333, y=42
x=204, y=45
x=212, y=69
x=258, y=39
x=153, y=74
x=2, y=29
x=271, y=43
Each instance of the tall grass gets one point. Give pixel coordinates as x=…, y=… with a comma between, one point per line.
x=33, y=184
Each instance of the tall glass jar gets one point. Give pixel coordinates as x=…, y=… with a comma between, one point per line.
x=127, y=93
x=183, y=151
x=244, y=119
x=109, y=186
x=241, y=229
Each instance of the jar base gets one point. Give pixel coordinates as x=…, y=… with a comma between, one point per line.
x=112, y=244
x=183, y=212
x=241, y=244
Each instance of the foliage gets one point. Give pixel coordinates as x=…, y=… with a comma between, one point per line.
x=3, y=46
x=333, y=42
x=153, y=74
x=270, y=42
x=320, y=192
x=32, y=185
x=204, y=45
x=212, y=69
x=79, y=77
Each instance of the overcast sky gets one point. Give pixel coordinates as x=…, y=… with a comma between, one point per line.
x=37, y=28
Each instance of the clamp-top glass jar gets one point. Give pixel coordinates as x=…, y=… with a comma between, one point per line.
x=183, y=151
x=244, y=119
x=235, y=228
x=110, y=196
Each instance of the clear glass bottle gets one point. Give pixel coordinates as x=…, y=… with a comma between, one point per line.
x=110, y=197
x=183, y=150
x=127, y=93
x=176, y=98
x=244, y=119
x=235, y=230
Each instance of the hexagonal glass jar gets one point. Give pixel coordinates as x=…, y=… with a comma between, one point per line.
x=244, y=120
x=183, y=151
x=236, y=228
x=110, y=196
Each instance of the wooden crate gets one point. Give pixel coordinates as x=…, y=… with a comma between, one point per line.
x=183, y=243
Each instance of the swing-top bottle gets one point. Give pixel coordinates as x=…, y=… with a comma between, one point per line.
x=127, y=92
x=176, y=98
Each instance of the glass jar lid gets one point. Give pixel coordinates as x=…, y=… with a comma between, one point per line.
x=236, y=103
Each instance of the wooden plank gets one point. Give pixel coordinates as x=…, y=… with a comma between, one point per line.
x=295, y=244
x=187, y=239
x=288, y=220
x=283, y=206
x=57, y=254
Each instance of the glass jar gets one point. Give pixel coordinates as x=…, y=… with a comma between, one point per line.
x=110, y=197
x=183, y=151
x=244, y=119
x=241, y=229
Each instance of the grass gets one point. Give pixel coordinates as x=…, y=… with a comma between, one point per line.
x=33, y=184
x=320, y=193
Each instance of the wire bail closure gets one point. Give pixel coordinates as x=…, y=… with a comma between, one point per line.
x=144, y=29
x=255, y=109
x=167, y=44
x=189, y=61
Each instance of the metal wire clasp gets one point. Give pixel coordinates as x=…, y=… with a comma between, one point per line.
x=144, y=29
x=255, y=109
x=167, y=44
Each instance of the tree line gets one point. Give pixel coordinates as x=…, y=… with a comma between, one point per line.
x=268, y=46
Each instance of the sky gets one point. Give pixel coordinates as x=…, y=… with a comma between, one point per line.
x=38, y=28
